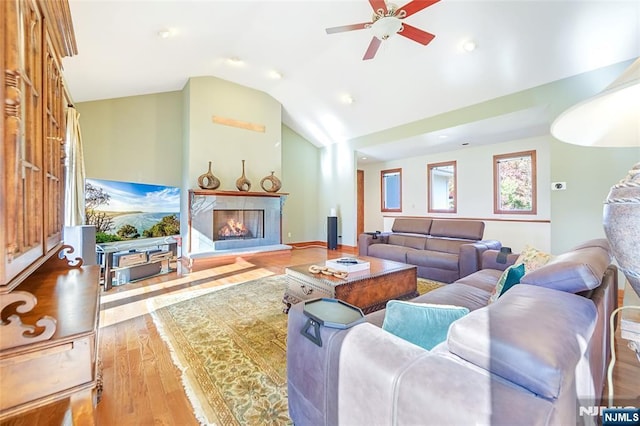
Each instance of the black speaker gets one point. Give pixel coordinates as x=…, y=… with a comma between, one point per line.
x=332, y=232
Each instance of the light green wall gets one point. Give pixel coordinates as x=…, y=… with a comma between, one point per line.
x=576, y=213
x=227, y=146
x=184, y=165
x=300, y=168
x=140, y=139
x=134, y=139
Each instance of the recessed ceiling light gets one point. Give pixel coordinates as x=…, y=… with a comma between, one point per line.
x=469, y=45
x=164, y=33
x=443, y=136
x=234, y=60
x=348, y=99
x=276, y=75
x=364, y=158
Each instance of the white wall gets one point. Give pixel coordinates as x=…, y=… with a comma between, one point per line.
x=475, y=192
x=337, y=189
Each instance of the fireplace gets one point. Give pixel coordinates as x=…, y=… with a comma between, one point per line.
x=223, y=221
x=238, y=224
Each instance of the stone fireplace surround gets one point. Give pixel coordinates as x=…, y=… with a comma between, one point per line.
x=203, y=239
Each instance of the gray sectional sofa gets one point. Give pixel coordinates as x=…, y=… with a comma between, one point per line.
x=442, y=249
x=533, y=356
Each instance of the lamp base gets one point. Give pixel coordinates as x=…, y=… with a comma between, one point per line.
x=621, y=221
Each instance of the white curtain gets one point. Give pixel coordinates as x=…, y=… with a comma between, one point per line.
x=74, y=182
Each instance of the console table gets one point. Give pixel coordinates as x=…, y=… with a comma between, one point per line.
x=107, y=250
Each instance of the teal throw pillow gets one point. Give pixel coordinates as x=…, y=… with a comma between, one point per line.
x=422, y=324
x=513, y=278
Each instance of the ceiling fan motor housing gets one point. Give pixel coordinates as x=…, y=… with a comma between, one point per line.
x=385, y=27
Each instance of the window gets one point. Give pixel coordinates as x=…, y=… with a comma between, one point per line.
x=441, y=184
x=514, y=181
x=391, y=190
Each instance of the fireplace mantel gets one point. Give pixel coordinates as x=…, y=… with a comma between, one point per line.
x=237, y=193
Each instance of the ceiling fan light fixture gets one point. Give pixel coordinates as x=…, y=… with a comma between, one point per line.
x=385, y=27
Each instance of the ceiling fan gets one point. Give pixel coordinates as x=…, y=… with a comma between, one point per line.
x=386, y=21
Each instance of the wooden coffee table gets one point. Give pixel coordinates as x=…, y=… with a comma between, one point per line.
x=369, y=290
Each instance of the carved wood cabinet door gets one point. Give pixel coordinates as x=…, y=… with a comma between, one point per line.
x=33, y=127
x=54, y=147
x=23, y=241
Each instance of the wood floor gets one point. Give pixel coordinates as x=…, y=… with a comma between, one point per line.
x=141, y=384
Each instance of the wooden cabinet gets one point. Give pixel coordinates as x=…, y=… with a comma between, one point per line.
x=61, y=362
x=49, y=309
x=33, y=130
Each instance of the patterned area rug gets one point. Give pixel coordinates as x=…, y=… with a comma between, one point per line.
x=230, y=345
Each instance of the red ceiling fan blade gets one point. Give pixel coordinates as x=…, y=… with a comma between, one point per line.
x=372, y=49
x=415, y=6
x=378, y=4
x=416, y=34
x=344, y=28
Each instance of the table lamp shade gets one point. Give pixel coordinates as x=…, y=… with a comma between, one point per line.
x=610, y=119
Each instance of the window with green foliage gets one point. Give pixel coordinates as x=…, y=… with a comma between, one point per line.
x=514, y=181
x=441, y=184
x=391, y=190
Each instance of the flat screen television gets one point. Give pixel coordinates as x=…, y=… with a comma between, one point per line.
x=129, y=210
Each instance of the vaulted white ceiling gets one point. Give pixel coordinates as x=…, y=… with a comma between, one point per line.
x=520, y=44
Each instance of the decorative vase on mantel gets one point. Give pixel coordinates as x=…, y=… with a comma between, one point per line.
x=621, y=221
x=208, y=180
x=243, y=184
x=271, y=183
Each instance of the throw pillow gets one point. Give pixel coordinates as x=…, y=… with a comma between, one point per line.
x=533, y=258
x=497, y=290
x=516, y=272
x=422, y=324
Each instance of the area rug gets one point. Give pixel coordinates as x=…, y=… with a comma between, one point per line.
x=230, y=345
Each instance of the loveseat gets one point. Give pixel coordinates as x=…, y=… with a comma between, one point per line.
x=442, y=249
x=532, y=356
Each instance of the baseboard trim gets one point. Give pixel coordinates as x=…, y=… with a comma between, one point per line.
x=323, y=244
